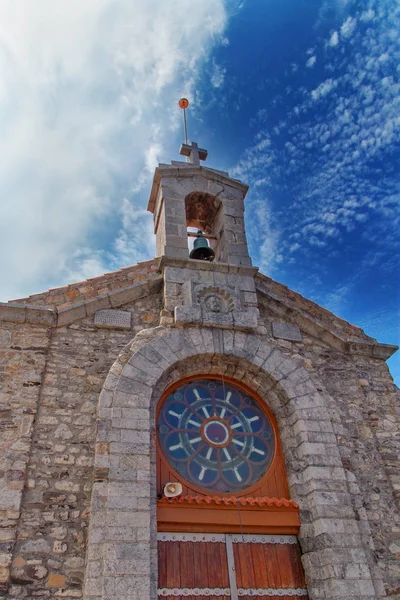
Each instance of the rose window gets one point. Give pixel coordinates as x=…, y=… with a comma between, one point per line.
x=215, y=435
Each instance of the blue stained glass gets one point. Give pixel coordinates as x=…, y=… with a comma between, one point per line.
x=215, y=436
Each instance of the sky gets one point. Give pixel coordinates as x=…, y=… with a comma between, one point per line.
x=300, y=99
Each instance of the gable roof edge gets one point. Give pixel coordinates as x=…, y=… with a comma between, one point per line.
x=367, y=347
x=58, y=317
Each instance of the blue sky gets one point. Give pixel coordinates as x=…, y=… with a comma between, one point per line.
x=300, y=99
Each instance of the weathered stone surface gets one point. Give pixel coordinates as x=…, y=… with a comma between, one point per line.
x=39, y=546
x=51, y=380
x=56, y=581
x=113, y=319
x=36, y=572
x=5, y=337
x=286, y=331
x=95, y=286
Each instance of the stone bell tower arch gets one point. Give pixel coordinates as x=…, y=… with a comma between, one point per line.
x=187, y=194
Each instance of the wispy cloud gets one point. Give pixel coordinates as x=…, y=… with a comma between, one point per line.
x=311, y=61
x=348, y=27
x=135, y=240
x=323, y=89
x=88, y=106
x=217, y=75
x=263, y=232
x=334, y=39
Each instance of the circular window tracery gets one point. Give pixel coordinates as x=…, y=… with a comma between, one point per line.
x=215, y=435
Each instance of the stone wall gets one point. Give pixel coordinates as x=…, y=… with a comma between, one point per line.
x=367, y=407
x=81, y=291
x=23, y=355
x=50, y=388
x=122, y=547
x=337, y=420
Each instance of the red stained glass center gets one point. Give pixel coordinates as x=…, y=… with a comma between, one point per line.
x=216, y=432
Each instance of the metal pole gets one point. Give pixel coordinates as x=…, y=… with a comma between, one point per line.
x=184, y=125
x=183, y=104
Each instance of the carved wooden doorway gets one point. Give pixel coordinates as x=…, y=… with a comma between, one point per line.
x=231, y=532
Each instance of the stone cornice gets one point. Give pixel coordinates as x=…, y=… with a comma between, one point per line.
x=57, y=317
x=27, y=313
x=164, y=170
x=203, y=265
x=366, y=346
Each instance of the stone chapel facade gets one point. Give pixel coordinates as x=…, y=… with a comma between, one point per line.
x=277, y=418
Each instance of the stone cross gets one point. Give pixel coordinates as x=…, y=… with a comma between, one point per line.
x=194, y=153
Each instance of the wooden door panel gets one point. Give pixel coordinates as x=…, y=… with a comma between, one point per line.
x=270, y=563
x=242, y=565
x=187, y=564
x=273, y=577
x=173, y=566
x=298, y=567
x=285, y=555
x=192, y=562
x=261, y=566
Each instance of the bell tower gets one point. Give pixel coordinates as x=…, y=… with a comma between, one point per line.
x=187, y=194
x=214, y=286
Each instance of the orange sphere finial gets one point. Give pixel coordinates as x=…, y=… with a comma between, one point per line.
x=183, y=103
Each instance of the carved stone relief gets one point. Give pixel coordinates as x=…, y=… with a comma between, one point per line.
x=213, y=303
x=218, y=305
x=216, y=299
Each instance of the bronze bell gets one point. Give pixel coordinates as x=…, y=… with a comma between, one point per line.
x=201, y=249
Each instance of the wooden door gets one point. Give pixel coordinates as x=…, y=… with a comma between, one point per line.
x=220, y=566
x=192, y=565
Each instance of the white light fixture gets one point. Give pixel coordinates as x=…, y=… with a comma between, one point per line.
x=172, y=489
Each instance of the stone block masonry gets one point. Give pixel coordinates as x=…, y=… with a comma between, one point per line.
x=366, y=406
x=94, y=287
x=175, y=202
x=50, y=384
x=23, y=355
x=61, y=476
x=336, y=551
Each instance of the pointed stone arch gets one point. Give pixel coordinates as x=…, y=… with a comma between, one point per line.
x=122, y=557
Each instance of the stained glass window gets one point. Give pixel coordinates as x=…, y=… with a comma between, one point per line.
x=215, y=435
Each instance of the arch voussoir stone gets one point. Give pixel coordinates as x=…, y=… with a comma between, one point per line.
x=122, y=538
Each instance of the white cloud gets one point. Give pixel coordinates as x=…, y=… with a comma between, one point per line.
x=153, y=156
x=134, y=241
x=336, y=300
x=263, y=236
x=323, y=89
x=367, y=15
x=334, y=39
x=348, y=27
x=311, y=61
x=88, y=98
x=218, y=75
